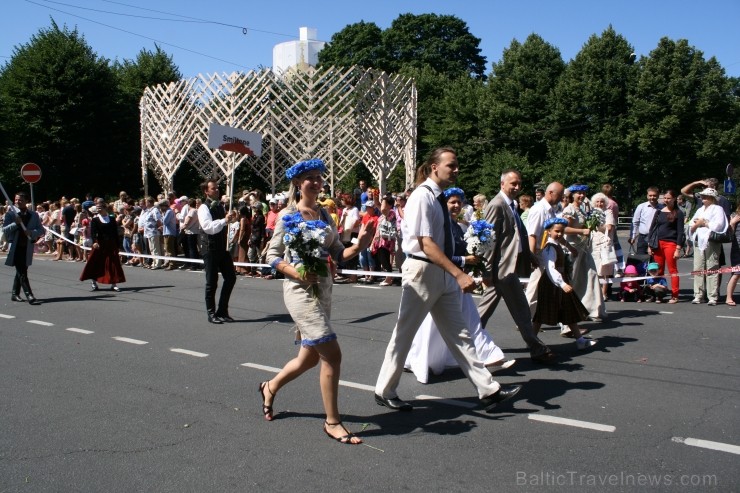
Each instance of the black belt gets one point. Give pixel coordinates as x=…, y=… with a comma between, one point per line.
x=416, y=257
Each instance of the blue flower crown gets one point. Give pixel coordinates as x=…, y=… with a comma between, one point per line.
x=303, y=166
x=555, y=220
x=578, y=188
x=457, y=192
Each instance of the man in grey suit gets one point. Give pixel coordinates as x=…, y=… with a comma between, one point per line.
x=508, y=260
x=22, y=227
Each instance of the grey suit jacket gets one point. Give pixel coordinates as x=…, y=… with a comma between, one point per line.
x=504, y=258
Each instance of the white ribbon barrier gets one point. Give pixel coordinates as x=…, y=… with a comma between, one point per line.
x=375, y=273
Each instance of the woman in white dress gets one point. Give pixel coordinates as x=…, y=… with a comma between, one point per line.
x=429, y=351
x=602, y=239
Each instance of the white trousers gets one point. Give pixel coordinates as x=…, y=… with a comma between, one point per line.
x=427, y=288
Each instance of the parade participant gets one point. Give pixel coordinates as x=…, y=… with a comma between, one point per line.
x=213, y=223
x=429, y=351
x=104, y=265
x=557, y=302
x=21, y=228
x=432, y=284
x=584, y=277
x=508, y=260
x=307, y=295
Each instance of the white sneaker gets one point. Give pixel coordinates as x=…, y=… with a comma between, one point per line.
x=585, y=344
x=696, y=301
x=565, y=331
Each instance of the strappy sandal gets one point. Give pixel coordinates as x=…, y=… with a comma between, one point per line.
x=266, y=410
x=344, y=438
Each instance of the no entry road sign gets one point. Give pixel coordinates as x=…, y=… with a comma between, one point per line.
x=31, y=172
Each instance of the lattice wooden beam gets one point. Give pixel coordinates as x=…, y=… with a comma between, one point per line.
x=345, y=116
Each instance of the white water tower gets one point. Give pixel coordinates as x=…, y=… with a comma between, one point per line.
x=301, y=53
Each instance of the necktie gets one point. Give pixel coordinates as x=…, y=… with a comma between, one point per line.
x=448, y=229
x=520, y=227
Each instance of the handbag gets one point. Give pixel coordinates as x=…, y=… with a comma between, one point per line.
x=608, y=255
x=724, y=237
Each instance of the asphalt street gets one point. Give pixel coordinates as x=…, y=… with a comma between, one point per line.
x=135, y=391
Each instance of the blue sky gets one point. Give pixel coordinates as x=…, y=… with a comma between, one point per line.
x=710, y=25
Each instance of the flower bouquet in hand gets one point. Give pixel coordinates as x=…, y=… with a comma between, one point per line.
x=305, y=239
x=479, y=239
x=595, y=218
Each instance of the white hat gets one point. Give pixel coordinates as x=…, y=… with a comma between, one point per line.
x=93, y=209
x=708, y=192
x=369, y=203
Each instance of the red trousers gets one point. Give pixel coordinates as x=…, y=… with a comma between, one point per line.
x=665, y=254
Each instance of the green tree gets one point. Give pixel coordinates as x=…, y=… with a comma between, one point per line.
x=150, y=68
x=686, y=119
x=57, y=99
x=357, y=44
x=521, y=87
x=591, y=109
x=442, y=42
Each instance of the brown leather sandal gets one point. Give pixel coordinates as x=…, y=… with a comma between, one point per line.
x=266, y=410
x=344, y=438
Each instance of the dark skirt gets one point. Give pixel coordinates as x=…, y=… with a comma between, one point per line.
x=556, y=306
x=104, y=265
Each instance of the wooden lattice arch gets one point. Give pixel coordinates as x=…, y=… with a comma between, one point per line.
x=345, y=116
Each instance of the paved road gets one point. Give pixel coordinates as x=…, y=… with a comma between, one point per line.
x=134, y=391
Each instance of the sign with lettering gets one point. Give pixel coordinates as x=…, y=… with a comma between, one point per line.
x=234, y=140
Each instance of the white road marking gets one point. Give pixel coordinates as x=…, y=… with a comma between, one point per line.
x=451, y=402
x=696, y=442
x=132, y=341
x=344, y=383
x=80, y=331
x=666, y=313
x=40, y=322
x=572, y=422
x=188, y=352
x=2, y=315
x=727, y=316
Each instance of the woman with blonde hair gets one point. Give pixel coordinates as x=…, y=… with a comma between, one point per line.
x=308, y=297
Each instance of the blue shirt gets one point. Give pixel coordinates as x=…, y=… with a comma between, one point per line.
x=169, y=223
x=643, y=218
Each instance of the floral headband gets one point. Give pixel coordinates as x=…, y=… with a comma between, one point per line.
x=555, y=220
x=578, y=188
x=457, y=192
x=304, y=166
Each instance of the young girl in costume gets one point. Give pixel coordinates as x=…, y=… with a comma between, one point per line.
x=556, y=300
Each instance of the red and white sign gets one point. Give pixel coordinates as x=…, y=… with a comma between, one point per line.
x=31, y=172
x=234, y=140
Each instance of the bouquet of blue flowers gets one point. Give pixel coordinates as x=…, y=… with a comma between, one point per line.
x=595, y=218
x=479, y=238
x=305, y=239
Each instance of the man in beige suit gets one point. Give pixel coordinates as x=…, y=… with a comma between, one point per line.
x=508, y=260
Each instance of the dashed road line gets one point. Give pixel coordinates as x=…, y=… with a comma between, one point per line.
x=727, y=316
x=188, y=352
x=2, y=315
x=696, y=442
x=40, y=322
x=572, y=422
x=344, y=383
x=131, y=341
x=80, y=331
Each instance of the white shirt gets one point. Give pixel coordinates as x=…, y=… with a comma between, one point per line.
x=209, y=225
x=423, y=216
x=538, y=214
x=715, y=216
x=549, y=256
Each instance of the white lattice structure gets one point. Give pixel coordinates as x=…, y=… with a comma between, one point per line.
x=344, y=116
